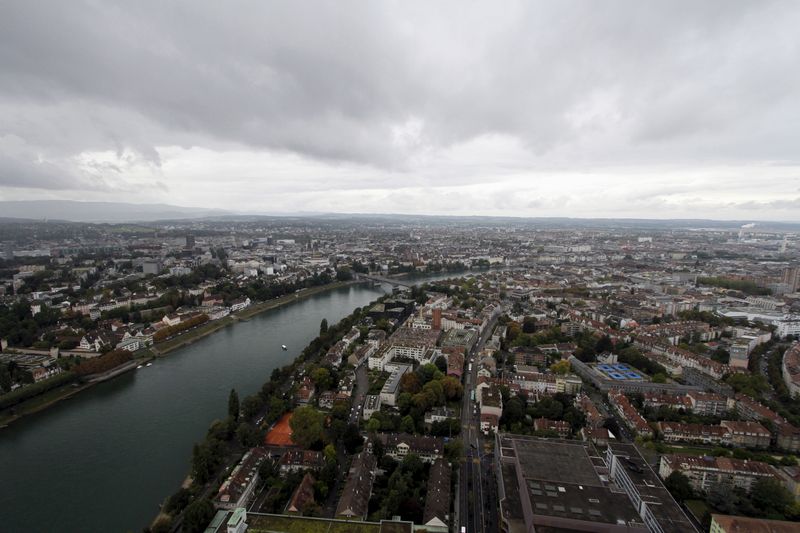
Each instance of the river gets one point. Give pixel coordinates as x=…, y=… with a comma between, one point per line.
x=104, y=460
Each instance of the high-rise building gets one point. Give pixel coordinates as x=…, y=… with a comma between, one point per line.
x=791, y=277
x=436, y=315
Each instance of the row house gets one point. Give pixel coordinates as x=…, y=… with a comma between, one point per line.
x=655, y=400
x=239, y=304
x=439, y=414
x=241, y=483
x=399, y=445
x=593, y=417
x=696, y=433
x=361, y=354
x=682, y=358
x=748, y=434
x=709, y=403
x=354, y=501
x=561, y=427
x=335, y=354
x=299, y=460
x=629, y=414
x=436, y=514
x=708, y=473
x=536, y=382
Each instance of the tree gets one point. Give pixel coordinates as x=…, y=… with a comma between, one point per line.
x=529, y=325
x=322, y=378
x=247, y=435
x=679, y=486
x=441, y=363
x=410, y=383
x=306, y=424
x=330, y=453
x=605, y=344
x=561, y=367
x=453, y=389
x=233, y=405
x=198, y=514
x=770, y=496
x=374, y=424
x=453, y=450
x=659, y=378
x=352, y=439
x=178, y=501
x=252, y=405
x=407, y=424
x=323, y=327
x=163, y=524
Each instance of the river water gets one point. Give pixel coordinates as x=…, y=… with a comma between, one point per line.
x=104, y=460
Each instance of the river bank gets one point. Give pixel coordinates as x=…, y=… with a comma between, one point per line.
x=134, y=433
x=55, y=396
x=207, y=329
x=60, y=394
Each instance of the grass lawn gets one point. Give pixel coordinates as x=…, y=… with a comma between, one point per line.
x=690, y=450
x=698, y=508
x=290, y=524
x=189, y=336
x=36, y=403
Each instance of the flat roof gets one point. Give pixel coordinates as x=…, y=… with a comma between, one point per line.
x=562, y=479
x=660, y=502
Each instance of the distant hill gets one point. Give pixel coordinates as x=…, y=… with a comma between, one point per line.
x=101, y=211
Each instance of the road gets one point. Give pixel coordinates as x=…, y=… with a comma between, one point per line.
x=475, y=473
x=359, y=392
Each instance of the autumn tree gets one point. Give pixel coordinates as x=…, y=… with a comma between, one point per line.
x=560, y=367
x=410, y=383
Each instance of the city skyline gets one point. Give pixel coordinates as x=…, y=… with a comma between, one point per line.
x=538, y=110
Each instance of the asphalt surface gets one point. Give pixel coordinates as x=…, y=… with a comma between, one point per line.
x=476, y=487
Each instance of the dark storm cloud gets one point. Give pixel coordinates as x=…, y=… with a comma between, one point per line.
x=613, y=83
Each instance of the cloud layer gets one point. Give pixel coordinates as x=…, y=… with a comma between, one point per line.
x=519, y=108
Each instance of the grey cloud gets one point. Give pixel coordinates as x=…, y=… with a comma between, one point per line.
x=680, y=81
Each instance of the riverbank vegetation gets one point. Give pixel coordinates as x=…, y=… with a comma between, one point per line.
x=227, y=440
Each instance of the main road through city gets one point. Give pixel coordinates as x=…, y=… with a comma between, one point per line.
x=475, y=502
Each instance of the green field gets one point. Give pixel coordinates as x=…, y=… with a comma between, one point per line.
x=698, y=508
x=290, y=524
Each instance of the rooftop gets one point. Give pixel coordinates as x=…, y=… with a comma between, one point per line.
x=563, y=479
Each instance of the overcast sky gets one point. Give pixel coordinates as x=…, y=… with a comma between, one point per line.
x=583, y=109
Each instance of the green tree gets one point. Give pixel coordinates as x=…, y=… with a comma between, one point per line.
x=453, y=450
x=322, y=378
x=352, y=439
x=330, y=453
x=374, y=424
x=233, y=405
x=323, y=327
x=198, y=514
x=178, y=501
x=247, y=435
x=306, y=424
x=407, y=424
x=252, y=405
x=679, y=486
x=770, y=496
